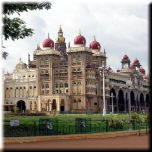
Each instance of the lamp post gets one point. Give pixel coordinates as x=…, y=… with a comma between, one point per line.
x=102, y=69
x=129, y=83
x=112, y=100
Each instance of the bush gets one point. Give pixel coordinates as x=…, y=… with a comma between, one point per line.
x=115, y=123
x=135, y=116
x=148, y=116
x=27, y=111
x=16, y=110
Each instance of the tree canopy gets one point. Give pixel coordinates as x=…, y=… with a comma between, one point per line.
x=15, y=28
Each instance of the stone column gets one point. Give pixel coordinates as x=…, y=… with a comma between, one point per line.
x=117, y=98
x=145, y=101
x=39, y=103
x=58, y=104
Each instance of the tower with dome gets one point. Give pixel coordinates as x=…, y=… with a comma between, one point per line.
x=64, y=79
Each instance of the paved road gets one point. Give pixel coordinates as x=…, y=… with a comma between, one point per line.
x=126, y=142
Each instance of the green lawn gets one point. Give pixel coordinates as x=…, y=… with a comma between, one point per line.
x=66, y=117
x=66, y=124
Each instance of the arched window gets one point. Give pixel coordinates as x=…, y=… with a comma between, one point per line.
x=61, y=85
x=47, y=85
x=42, y=86
x=56, y=85
x=66, y=85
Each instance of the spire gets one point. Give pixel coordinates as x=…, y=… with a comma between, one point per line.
x=79, y=32
x=104, y=51
x=28, y=57
x=20, y=59
x=48, y=36
x=38, y=46
x=69, y=45
x=60, y=29
x=94, y=38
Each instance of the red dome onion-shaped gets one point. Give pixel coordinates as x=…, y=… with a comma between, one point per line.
x=48, y=43
x=136, y=61
x=80, y=40
x=145, y=77
x=125, y=57
x=132, y=67
x=142, y=70
x=95, y=45
x=118, y=70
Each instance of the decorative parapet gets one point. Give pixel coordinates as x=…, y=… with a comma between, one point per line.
x=47, y=51
x=79, y=49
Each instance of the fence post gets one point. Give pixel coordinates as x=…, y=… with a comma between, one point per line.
x=139, y=127
x=107, y=125
x=146, y=126
x=34, y=128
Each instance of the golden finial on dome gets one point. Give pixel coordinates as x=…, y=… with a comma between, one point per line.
x=60, y=38
x=60, y=29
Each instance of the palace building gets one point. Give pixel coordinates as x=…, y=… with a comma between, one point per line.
x=68, y=79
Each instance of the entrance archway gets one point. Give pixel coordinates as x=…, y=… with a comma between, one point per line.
x=62, y=105
x=54, y=104
x=142, y=104
x=114, y=101
x=21, y=105
x=147, y=102
x=133, y=105
x=121, y=102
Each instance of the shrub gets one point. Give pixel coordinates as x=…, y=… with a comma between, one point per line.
x=16, y=110
x=27, y=111
x=148, y=116
x=36, y=111
x=135, y=116
x=115, y=123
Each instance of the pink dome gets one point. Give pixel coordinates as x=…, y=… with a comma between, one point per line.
x=136, y=61
x=145, y=77
x=142, y=70
x=80, y=40
x=118, y=70
x=125, y=57
x=48, y=43
x=95, y=45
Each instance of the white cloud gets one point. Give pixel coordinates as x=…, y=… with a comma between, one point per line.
x=120, y=26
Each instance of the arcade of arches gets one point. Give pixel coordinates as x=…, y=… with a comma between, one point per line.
x=53, y=105
x=119, y=101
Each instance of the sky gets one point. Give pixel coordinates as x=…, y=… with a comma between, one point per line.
x=121, y=27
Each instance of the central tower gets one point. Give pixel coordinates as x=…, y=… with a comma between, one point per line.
x=60, y=44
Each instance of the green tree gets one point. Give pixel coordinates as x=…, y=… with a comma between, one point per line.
x=15, y=28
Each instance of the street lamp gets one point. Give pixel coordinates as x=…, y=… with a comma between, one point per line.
x=129, y=83
x=102, y=69
x=112, y=96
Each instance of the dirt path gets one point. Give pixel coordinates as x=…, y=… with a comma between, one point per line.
x=126, y=142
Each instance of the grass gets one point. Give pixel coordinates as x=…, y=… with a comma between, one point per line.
x=66, y=117
x=66, y=124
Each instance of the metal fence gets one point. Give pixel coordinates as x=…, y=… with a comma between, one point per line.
x=54, y=126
